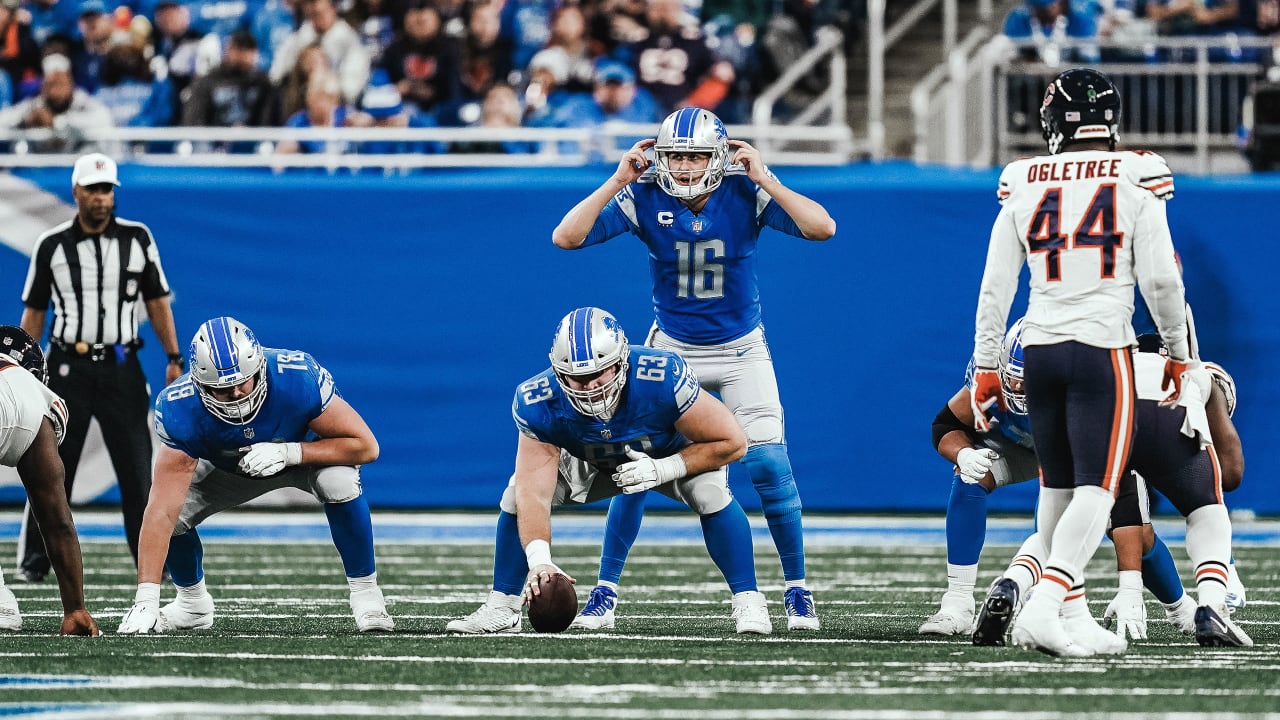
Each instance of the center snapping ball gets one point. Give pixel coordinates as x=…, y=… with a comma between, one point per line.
x=554, y=610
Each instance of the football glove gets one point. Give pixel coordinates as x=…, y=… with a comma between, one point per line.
x=1174, y=370
x=1127, y=614
x=986, y=392
x=975, y=463
x=144, y=617
x=266, y=459
x=644, y=473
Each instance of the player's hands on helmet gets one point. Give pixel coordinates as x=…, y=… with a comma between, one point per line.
x=266, y=459
x=539, y=574
x=645, y=473
x=975, y=463
x=749, y=158
x=634, y=162
x=1127, y=615
x=80, y=623
x=1174, y=372
x=986, y=392
x=143, y=618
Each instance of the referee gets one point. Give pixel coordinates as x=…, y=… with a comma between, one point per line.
x=97, y=269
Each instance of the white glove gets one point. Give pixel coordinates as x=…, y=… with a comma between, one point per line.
x=975, y=463
x=144, y=617
x=264, y=459
x=1127, y=613
x=644, y=473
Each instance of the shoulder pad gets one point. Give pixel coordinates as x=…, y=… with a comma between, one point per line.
x=1152, y=173
x=1008, y=178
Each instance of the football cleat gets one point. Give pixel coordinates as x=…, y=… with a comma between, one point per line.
x=189, y=613
x=996, y=614
x=499, y=614
x=1235, y=590
x=31, y=575
x=948, y=622
x=801, y=614
x=1039, y=627
x=370, y=610
x=10, y=618
x=1086, y=631
x=598, y=614
x=751, y=613
x=1215, y=629
x=1182, y=615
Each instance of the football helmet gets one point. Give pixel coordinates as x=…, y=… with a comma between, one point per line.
x=22, y=349
x=693, y=130
x=1080, y=104
x=1011, y=375
x=588, y=342
x=223, y=354
x=1225, y=383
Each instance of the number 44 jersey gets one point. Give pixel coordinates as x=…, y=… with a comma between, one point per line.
x=298, y=390
x=703, y=264
x=1089, y=225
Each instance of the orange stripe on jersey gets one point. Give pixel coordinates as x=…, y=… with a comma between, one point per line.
x=1159, y=186
x=1217, y=474
x=1121, y=421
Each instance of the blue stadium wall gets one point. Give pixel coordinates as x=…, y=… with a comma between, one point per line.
x=430, y=297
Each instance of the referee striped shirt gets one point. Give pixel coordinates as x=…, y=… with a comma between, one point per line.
x=96, y=282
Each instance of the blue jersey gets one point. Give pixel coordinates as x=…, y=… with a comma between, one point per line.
x=1011, y=428
x=705, y=290
x=660, y=388
x=298, y=390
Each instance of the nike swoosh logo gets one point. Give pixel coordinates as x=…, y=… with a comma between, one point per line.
x=743, y=352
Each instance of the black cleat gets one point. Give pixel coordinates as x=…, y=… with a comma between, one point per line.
x=1215, y=629
x=996, y=614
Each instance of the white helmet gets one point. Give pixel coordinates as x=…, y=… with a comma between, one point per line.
x=1225, y=383
x=1012, y=376
x=588, y=342
x=223, y=354
x=691, y=130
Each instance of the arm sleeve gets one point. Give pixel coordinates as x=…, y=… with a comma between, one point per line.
x=1005, y=256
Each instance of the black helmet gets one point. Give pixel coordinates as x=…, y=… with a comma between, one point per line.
x=22, y=349
x=1080, y=104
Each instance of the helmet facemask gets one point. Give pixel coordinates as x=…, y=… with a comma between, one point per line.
x=225, y=353
x=691, y=130
x=589, y=343
x=1012, y=378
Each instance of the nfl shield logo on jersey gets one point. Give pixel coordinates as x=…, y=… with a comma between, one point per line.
x=697, y=225
x=606, y=434
x=248, y=433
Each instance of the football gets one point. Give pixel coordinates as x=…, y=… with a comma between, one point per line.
x=556, y=607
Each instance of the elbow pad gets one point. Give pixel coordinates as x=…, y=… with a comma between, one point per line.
x=945, y=422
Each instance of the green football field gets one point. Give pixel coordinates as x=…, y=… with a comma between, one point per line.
x=284, y=646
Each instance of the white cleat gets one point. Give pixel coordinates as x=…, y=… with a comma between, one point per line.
x=370, y=610
x=1182, y=615
x=1086, y=631
x=10, y=618
x=599, y=612
x=189, y=613
x=1235, y=590
x=948, y=622
x=751, y=613
x=1040, y=628
x=499, y=614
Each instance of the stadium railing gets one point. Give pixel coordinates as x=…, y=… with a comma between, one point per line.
x=1181, y=95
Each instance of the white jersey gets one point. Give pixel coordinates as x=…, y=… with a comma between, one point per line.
x=24, y=404
x=1148, y=373
x=1088, y=225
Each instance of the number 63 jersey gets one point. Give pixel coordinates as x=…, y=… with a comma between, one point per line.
x=298, y=390
x=703, y=264
x=1089, y=225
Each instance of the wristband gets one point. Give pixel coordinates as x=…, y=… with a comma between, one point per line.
x=292, y=453
x=538, y=552
x=148, y=593
x=671, y=468
x=1131, y=580
x=178, y=359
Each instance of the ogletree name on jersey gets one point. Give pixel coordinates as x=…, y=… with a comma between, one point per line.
x=1059, y=171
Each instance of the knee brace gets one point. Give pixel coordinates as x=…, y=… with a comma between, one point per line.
x=770, y=471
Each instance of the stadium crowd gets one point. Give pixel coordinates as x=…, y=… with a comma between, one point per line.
x=76, y=65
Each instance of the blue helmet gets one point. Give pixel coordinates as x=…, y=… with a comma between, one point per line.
x=1011, y=374
x=588, y=342
x=225, y=353
x=691, y=130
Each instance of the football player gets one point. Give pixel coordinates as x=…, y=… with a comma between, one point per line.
x=1089, y=221
x=607, y=418
x=699, y=207
x=246, y=420
x=35, y=419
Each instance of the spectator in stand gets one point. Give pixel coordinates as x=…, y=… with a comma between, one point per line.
x=52, y=17
x=236, y=93
x=615, y=24
x=135, y=97
x=500, y=109
x=525, y=25
x=674, y=62
x=546, y=93
x=484, y=60
x=1194, y=17
x=382, y=106
x=312, y=61
x=373, y=22
x=324, y=109
x=95, y=39
x=341, y=44
x=60, y=106
x=615, y=97
x=453, y=18
x=176, y=44
x=220, y=17
x=420, y=61
x=272, y=24
x=569, y=33
x=1049, y=24
x=19, y=53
